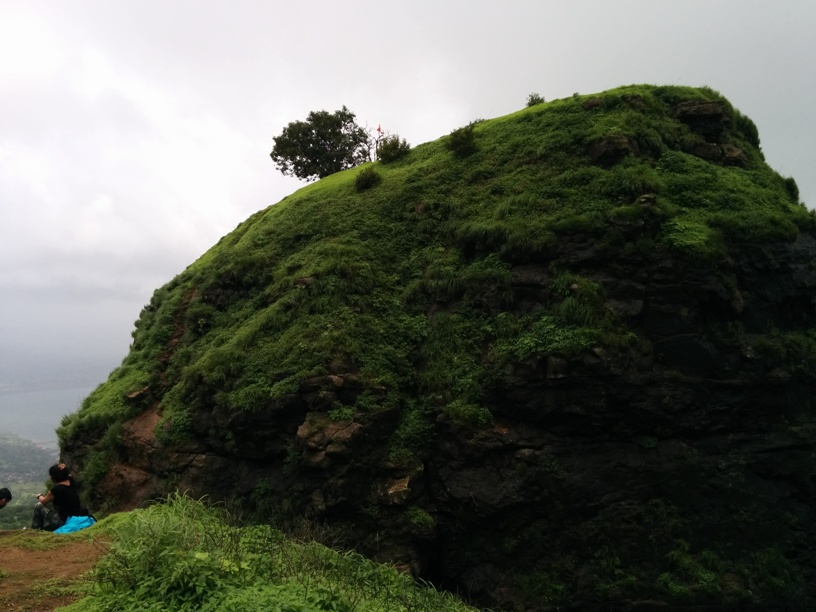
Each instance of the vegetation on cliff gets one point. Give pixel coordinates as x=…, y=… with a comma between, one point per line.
x=587, y=273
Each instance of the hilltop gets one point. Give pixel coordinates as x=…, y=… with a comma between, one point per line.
x=568, y=362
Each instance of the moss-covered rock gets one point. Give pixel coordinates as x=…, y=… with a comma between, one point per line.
x=574, y=366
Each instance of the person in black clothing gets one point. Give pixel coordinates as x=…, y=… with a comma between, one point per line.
x=5, y=497
x=65, y=495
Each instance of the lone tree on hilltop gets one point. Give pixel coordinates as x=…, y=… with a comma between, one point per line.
x=323, y=144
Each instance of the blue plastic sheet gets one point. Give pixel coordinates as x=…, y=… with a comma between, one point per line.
x=75, y=523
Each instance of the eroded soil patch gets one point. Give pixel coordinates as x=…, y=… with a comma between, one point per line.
x=40, y=572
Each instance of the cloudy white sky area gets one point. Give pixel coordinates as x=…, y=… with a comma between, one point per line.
x=134, y=134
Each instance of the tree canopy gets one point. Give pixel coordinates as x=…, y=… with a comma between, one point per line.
x=323, y=144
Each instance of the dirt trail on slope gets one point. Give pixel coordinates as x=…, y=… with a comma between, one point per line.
x=39, y=580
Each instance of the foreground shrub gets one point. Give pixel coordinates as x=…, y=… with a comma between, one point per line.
x=367, y=178
x=185, y=555
x=462, y=141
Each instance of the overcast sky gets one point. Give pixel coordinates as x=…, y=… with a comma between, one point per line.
x=135, y=133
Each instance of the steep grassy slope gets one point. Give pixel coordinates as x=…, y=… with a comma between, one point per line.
x=330, y=274
x=417, y=308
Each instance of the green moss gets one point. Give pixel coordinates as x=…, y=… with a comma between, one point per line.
x=414, y=433
x=693, y=237
x=122, y=396
x=468, y=415
x=103, y=455
x=795, y=351
x=344, y=413
x=545, y=586
x=419, y=517
x=694, y=577
x=773, y=573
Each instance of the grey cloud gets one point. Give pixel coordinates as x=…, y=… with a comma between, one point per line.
x=144, y=138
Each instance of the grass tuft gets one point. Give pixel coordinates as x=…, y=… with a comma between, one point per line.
x=183, y=554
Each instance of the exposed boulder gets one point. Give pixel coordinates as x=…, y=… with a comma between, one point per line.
x=611, y=149
x=732, y=155
x=725, y=154
x=708, y=118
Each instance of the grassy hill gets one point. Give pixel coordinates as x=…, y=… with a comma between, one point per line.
x=335, y=275
x=438, y=352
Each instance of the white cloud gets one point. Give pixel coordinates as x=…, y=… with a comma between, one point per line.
x=27, y=46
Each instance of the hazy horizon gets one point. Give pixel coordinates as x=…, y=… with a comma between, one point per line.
x=36, y=414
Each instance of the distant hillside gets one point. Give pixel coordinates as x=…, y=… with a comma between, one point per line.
x=23, y=469
x=561, y=358
x=22, y=460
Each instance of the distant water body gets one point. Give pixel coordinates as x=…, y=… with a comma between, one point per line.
x=35, y=415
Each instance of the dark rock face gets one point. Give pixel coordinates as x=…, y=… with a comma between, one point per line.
x=597, y=465
x=711, y=121
x=595, y=452
x=709, y=118
x=726, y=154
x=611, y=149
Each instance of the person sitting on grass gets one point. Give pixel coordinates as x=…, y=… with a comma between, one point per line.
x=5, y=497
x=68, y=514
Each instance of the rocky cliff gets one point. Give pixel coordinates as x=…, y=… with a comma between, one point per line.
x=572, y=368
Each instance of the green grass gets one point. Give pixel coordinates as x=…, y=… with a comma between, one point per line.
x=32, y=539
x=185, y=555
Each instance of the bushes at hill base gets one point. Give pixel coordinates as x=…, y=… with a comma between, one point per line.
x=185, y=555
